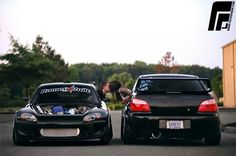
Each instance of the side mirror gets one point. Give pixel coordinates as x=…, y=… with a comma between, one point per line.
x=26, y=98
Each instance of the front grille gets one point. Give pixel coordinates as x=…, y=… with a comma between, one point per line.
x=59, y=132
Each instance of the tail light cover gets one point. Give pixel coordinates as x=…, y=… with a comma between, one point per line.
x=208, y=106
x=138, y=105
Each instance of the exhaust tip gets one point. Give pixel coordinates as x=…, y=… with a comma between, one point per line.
x=156, y=135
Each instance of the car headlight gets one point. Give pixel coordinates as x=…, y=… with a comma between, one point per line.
x=27, y=117
x=92, y=117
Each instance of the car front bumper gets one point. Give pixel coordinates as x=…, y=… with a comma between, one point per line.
x=32, y=131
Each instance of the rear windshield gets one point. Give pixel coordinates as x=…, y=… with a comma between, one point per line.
x=66, y=94
x=169, y=85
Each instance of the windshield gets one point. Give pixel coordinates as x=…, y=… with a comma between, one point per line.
x=66, y=94
x=170, y=85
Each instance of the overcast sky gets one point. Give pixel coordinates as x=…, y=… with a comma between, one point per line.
x=97, y=31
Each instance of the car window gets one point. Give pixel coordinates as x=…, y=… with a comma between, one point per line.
x=66, y=94
x=170, y=85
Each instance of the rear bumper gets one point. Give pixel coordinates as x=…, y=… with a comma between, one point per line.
x=197, y=126
x=95, y=130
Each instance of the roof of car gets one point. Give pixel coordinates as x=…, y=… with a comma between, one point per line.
x=150, y=76
x=66, y=84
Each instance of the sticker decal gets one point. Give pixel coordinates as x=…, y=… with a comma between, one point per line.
x=65, y=89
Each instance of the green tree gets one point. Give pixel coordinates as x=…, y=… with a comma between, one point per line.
x=197, y=70
x=24, y=68
x=124, y=78
x=216, y=82
x=215, y=75
x=4, y=94
x=88, y=73
x=60, y=68
x=217, y=86
x=138, y=68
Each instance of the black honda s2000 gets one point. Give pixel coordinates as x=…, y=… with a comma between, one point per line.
x=63, y=112
x=171, y=106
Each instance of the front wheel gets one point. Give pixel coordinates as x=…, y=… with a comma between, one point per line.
x=121, y=129
x=213, y=139
x=107, y=136
x=17, y=140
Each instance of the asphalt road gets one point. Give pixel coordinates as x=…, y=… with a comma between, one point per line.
x=115, y=148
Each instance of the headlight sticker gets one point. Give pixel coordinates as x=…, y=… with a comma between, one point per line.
x=28, y=117
x=92, y=117
x=69, y=89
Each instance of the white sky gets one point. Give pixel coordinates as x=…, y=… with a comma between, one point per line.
x=118, y=31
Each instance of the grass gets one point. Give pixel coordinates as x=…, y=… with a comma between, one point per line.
x=9, y=109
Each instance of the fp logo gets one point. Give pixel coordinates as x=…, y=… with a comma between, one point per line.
x=221, y=15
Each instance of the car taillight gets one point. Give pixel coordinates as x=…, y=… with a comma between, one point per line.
x=208, y=106
x=137, y=105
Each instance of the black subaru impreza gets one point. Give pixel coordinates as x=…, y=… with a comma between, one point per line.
x=63, y=112
x=171, y=106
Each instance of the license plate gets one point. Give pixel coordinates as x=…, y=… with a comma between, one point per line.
x=174, y=124
x=61, y=132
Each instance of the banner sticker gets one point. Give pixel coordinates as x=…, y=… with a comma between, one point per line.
x=65, y=89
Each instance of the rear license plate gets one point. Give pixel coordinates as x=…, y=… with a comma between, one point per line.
x=174, y=124
x=61, y=132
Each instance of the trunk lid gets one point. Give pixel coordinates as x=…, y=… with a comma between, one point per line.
x=174, y=104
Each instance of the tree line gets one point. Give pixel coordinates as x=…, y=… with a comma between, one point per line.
x=25, y=67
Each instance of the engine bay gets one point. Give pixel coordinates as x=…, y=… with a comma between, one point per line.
x=55, y=109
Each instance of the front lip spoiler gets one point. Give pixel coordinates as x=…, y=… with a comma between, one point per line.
x=31, y=132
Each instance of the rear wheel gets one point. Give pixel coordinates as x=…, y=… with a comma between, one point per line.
x=213, y=139
x=125, y=136
x=127, y=139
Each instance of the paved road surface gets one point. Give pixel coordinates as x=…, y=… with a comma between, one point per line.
x=115, y=148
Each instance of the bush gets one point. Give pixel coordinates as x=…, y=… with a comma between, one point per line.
x=220, y=104
x=116, y=106
x=9, y=109
x=14, y=102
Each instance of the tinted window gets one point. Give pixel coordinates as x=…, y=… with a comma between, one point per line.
x=169, y=85
x=66, y=94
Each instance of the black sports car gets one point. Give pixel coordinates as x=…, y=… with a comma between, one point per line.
x=171, y=106
x=63, y=112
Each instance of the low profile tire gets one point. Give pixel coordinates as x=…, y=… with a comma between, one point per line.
x=121, y=129
x=213, y=139
x=104, y=142
x=110, y=132
x=126, y=138
x=106, y=138
x=17, y=140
